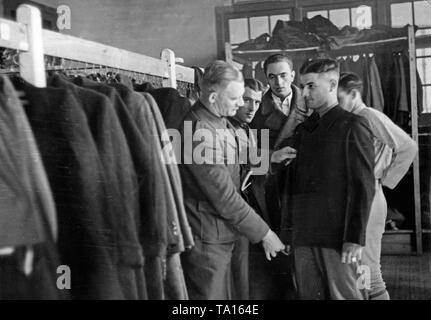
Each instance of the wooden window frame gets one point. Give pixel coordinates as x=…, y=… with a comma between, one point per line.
x=49, y=14
x=248, y=10
x=343, y=5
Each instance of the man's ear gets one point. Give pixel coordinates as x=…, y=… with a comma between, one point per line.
x=333, y=84
x=293, y=75
x=356, y=94
x=212, y=97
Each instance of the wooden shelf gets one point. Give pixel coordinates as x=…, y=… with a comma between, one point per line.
x=390, y=232
x=254, y=55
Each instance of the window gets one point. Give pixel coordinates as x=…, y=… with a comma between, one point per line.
x=340, y=17
x=323, y=13
x=418, y=13
x=424, y=68
x=401, y=14
x=359, y=17
x=243, y=29
x=49, y=14
x=238, y=30
x=258, y=26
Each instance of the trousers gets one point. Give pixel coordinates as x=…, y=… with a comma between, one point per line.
x=207, y=270
x=373, y=242
x=320, y=275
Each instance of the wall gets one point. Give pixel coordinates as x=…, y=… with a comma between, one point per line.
x=186, y=26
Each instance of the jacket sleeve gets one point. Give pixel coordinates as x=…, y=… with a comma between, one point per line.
x=361, y=181
x=404, y=148
x=205, y=163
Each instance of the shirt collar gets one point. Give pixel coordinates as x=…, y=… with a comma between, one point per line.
x=278, y=100
x=358, y=108
x=237, y=123
x=321, y=114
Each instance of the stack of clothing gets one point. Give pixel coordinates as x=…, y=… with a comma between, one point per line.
x=318, y=31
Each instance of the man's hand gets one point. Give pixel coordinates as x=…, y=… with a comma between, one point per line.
x=272, y=244
x=351, y=253
x=286, y=153
x=299, y=114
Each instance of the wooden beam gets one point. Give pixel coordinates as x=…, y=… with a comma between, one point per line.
x=77, y=49
x=1, y=8
x=228, y=52
x=32, y=63
x=414, y=118
x=168, y=60
x=13, y=35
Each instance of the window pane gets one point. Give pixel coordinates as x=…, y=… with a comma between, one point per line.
x=238, y=30
x=362, y=17
x=423, y=13
x=427, y=99
x=258, y=26
x=422, y=32
x=274, y=19
x=323, y=13
x=401, y=14
x=340, y=17
x=424, y=69
x=423, y=52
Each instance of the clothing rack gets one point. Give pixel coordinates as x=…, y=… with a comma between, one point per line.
x=27, y=36
x=244, y=56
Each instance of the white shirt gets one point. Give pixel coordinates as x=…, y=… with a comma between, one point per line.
x=284, y=105
x=394, y=149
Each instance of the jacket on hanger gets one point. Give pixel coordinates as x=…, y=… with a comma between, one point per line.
x=173, y=175
x=173, y=107
x=153, y=207
x=28, y=216
x=377, y=98
x=74, y=172
x=175, y=283
x=143, y=109
x=120, y=183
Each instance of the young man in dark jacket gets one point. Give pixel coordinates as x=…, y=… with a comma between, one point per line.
x=281, y=110
x=252, y=97
x=331, y=188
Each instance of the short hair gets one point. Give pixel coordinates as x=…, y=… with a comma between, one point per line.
x=321, y=65
x=350, y=81
x=219, y=73
x=254, y=84
x=274, y=58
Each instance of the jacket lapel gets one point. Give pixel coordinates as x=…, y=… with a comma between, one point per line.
x=293, y=120
x=274, y=117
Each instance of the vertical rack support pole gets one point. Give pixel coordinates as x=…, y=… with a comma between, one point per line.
x=228, y=52
x=415, y=136
x=31, y=63
x=168, y=59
